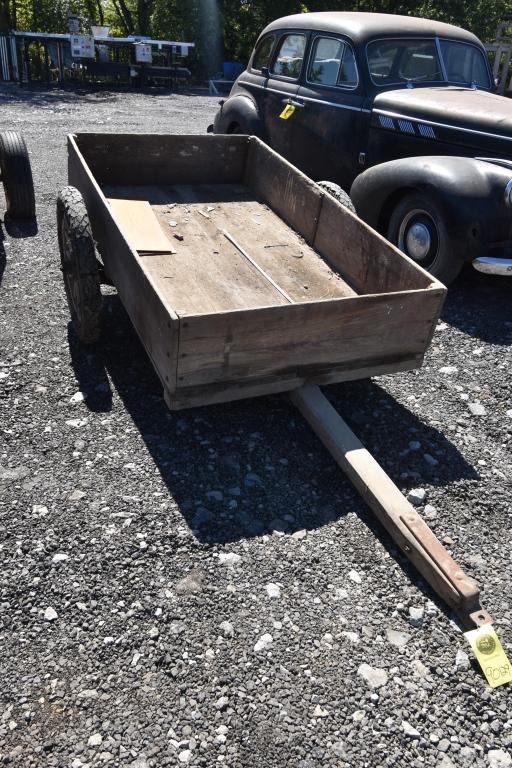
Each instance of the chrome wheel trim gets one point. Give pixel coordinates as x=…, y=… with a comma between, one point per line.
x=418, y=241
x=418, y=236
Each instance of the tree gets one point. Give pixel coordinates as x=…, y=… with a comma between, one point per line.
x=229, y=28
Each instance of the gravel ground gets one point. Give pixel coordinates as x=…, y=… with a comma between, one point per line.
x=204, y=587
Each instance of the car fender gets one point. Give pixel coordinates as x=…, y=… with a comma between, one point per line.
x=239, y=109
x=470, y=193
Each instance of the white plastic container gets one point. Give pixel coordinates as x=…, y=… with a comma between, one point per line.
x=99, y=31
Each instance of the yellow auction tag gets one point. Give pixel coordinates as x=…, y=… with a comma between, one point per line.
x=287, y=112
x=490, y=655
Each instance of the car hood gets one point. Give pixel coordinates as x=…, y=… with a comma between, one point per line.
x=462, y=109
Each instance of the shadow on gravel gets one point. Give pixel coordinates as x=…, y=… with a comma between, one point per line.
x=242, y=469
x=480, y=305
x=14, y=229
x=3, y=260
x=89, y=366
x=236, y=469
x=43, y=96
x=19, y=229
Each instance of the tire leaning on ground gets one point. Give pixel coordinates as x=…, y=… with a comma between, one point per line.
x=338, y=193
x=80, y=266
x=16, y=176
x=418, y=228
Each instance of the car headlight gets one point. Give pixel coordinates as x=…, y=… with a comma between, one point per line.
x=507, y=195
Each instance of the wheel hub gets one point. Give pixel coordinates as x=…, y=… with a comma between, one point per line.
x=418, y=241
x=418, y=237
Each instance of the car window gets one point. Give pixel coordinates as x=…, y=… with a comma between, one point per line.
x=288, y=62
x=420, y=62
x=332, y=63
x=325, y=63
x=348, y=76
x=396, y=61
x=464, y=64
x=409, y=60
x=262, y=56
x=381, y=56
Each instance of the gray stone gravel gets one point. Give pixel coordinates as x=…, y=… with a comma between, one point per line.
x=192, y=538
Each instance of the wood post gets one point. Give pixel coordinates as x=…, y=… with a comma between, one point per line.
x=396, y=514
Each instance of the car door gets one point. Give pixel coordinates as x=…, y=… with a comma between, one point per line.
x=326, y=129
x=281, y=87
x=253, y=80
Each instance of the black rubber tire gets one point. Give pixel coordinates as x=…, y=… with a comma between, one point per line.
x=80, y=267
x=17, y=176
x=338, y=193
x=444, y=261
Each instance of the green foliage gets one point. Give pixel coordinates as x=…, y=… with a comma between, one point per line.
x=240, y=20
x=244, y=19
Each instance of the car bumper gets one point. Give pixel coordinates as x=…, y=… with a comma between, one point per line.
x=493, y=266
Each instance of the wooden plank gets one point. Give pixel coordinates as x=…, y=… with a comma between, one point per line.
x=279, y=251
x=226, y=392
x=140, y=226
x=497, y=59
x=294, y=197
x=209, y=277
x=303, y=338
x=256, y=266
x=207, y=274
x=395, y=513
x=144, y=159
x=504, y=70
x=156, y=326
x=365, y=259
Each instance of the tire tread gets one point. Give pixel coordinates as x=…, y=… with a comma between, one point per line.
x=71, y=209
x=338, y=193
x=17, y=176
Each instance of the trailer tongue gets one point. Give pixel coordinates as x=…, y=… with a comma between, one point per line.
x=396, y=514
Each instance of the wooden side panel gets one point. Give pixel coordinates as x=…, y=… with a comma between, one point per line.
x=294, y=197
x=222, y=393
x=157, y=327
x=364, y=258
x=304, y=339
x=164, y=159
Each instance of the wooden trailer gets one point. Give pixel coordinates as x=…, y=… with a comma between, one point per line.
x=243, y=277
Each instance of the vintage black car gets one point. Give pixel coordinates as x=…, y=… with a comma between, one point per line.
x=401, y=113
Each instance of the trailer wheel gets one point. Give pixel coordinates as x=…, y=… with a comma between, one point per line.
x=417, y=227
x=80, y=267
x=338, y=193
x=17, y=176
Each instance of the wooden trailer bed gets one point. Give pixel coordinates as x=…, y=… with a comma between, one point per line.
x=208, y=273
x=267, y=283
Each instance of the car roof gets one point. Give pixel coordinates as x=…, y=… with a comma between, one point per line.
x=361, y=27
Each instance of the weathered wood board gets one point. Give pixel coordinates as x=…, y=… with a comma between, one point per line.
x=272, y=283
x=140, y=226
x=208, y=274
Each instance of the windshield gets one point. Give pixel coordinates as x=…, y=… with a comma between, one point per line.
x=392, y=62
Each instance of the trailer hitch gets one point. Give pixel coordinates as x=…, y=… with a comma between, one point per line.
x=392, y=509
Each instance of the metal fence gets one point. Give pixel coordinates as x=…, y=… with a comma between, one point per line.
x=28, y=57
